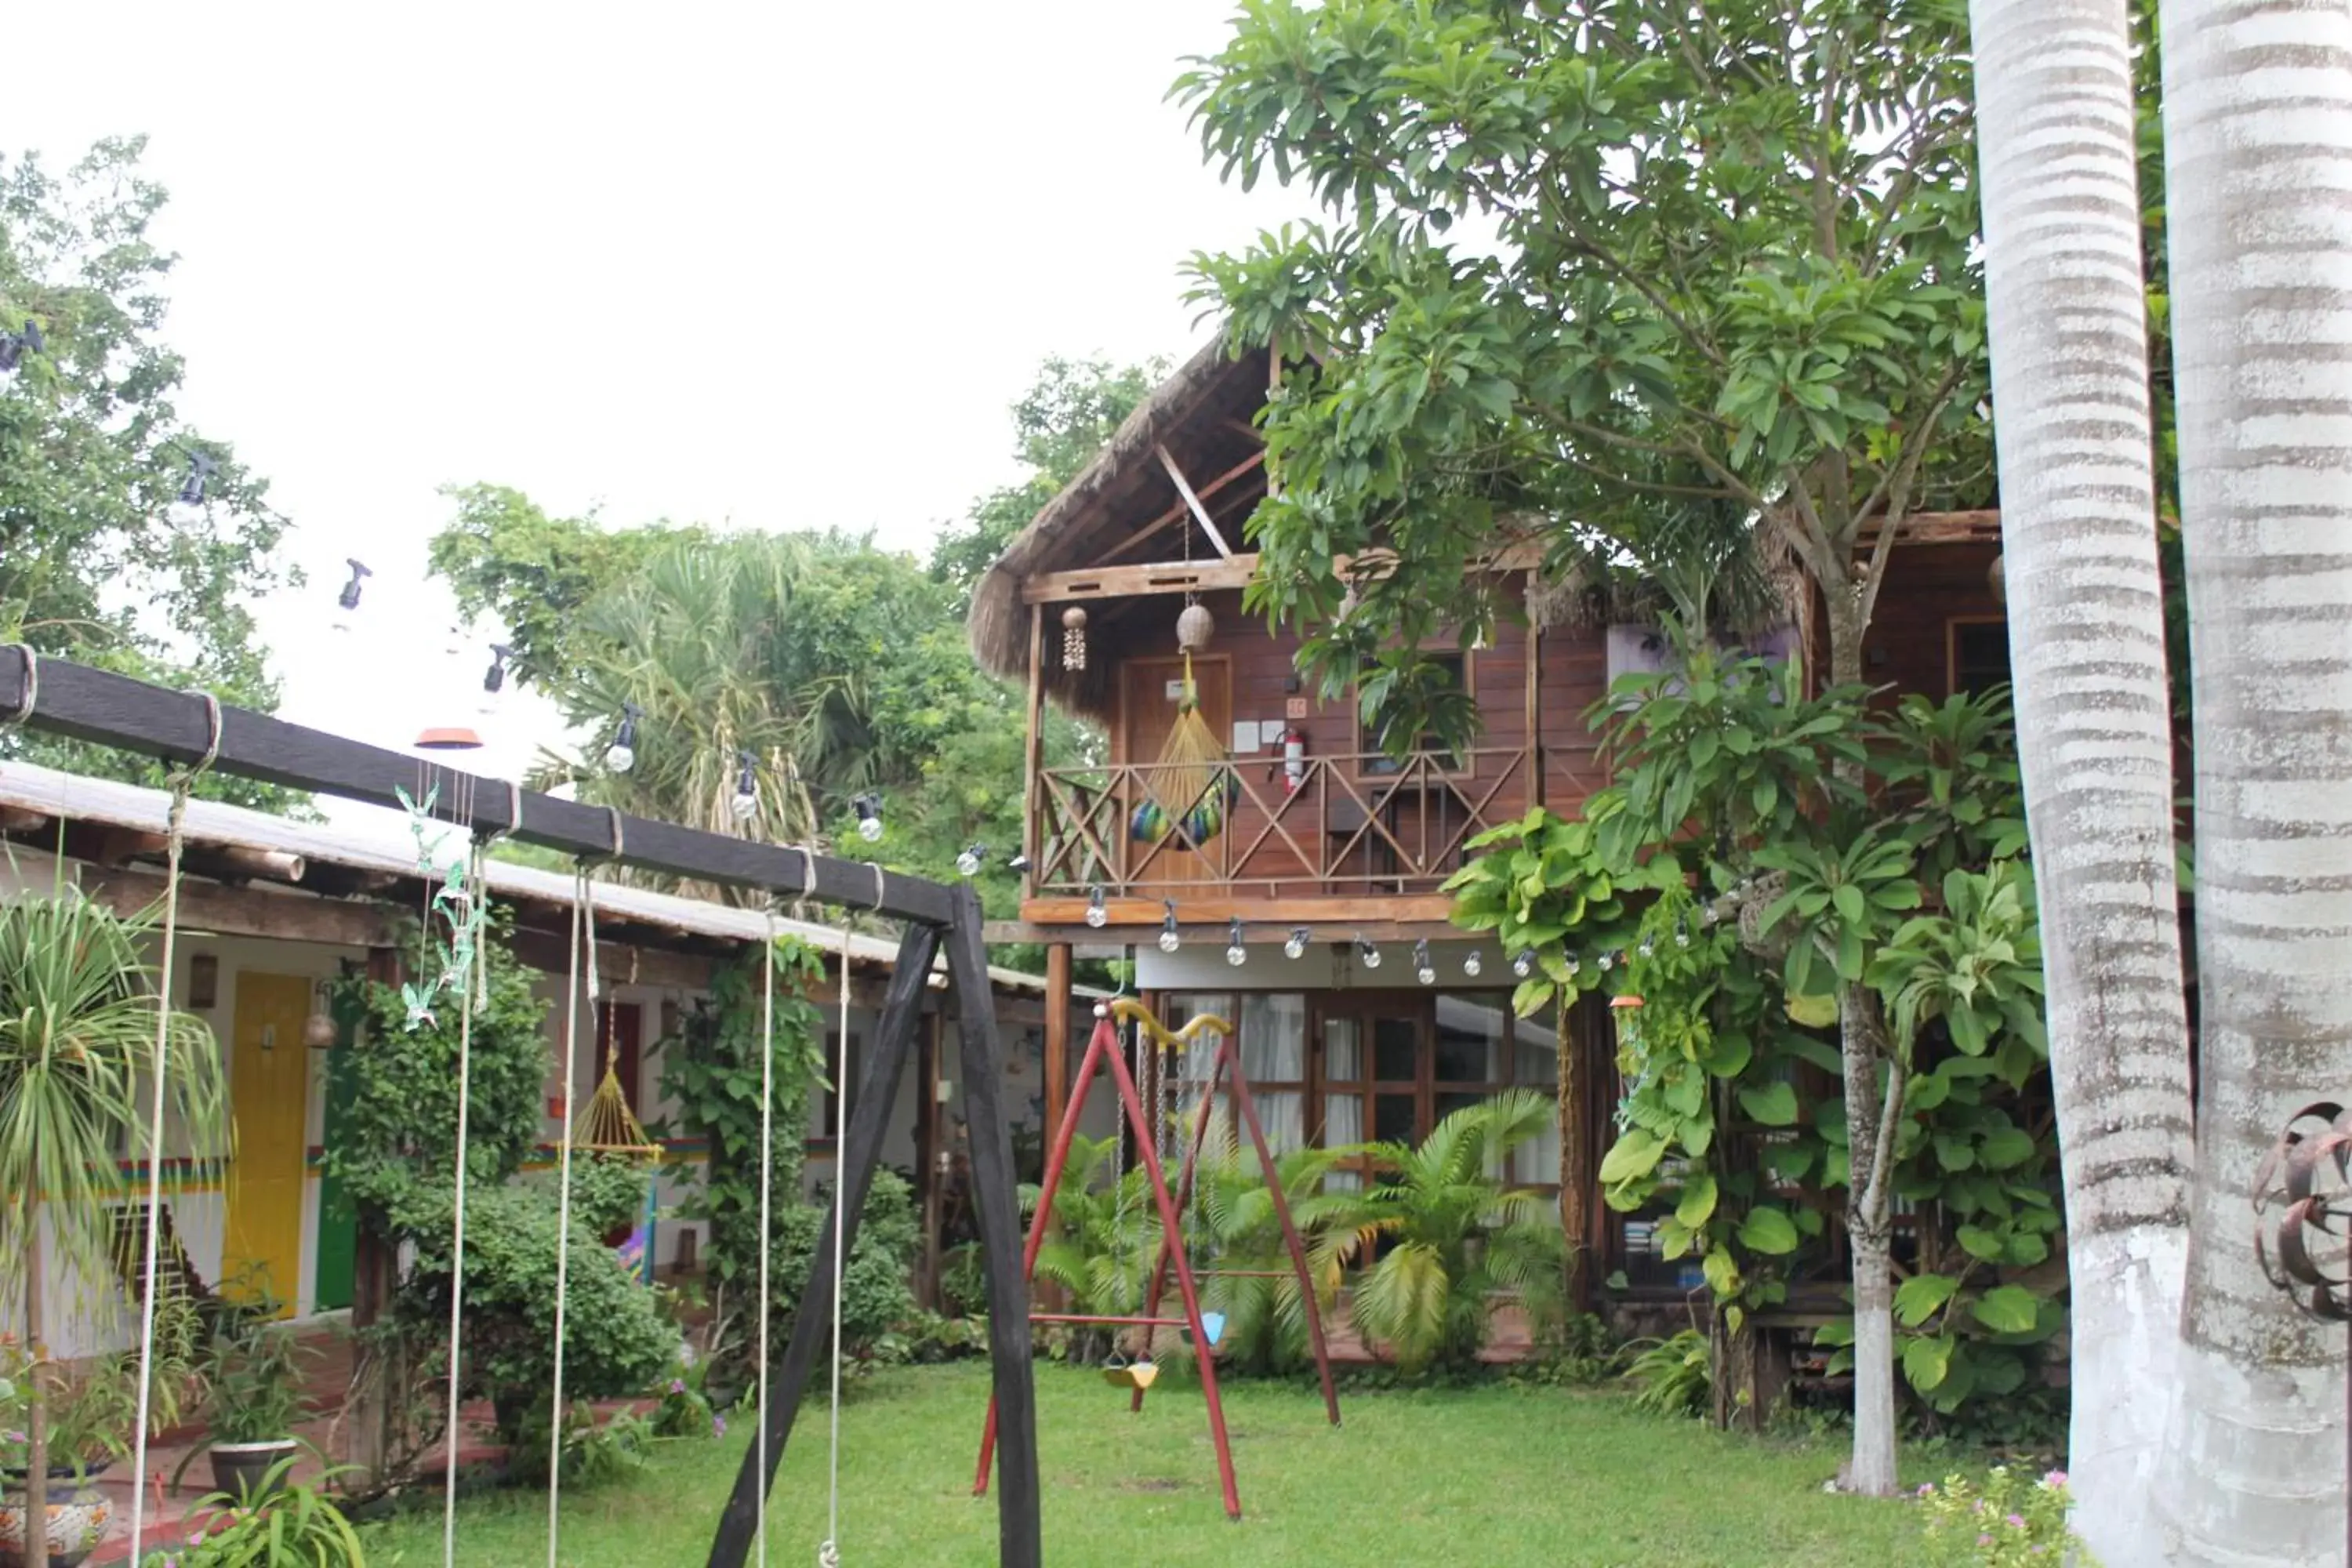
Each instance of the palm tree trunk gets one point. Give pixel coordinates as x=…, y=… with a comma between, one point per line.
x=36, y=1404
x=2258, y=137
x=1575, y=1162
x=2058, y=172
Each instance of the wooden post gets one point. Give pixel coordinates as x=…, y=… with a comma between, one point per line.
x=997, y=1206
x=859, y=1152
x=1058, y=1031
x=1034, y=753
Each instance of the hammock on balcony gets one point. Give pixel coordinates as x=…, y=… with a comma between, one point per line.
x=1191, y=788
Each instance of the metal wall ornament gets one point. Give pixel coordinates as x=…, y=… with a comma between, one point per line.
x=2303, y=1212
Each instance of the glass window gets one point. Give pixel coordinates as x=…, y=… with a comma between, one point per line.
x=1396, y=1050
x=1273, y=1037
x=1343, y=1054
x=1393, y=1117
x=1472, y=1035
x=1979, y=656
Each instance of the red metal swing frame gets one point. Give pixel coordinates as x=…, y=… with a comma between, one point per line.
x=1102, y=1047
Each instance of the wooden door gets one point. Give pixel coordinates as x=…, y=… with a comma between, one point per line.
x=269, y=1082
x=1149, y=691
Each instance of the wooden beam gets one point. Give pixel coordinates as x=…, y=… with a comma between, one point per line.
x=1212, y=908
x=243, y=912
x=1200, y=513
x=95, y=705
x=930, y=1196
x=1159, y=524
x=861, y=1152
x=17, y=819
x=621, y=964
x=118, y=846
x=272, y=865
x=1980, y=527
x=1136, y=581
x=996, y=1205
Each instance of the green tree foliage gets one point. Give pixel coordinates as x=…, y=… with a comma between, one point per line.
x=96, y=561
x=1721, y=260
x=1910, y=884
x=1058, y=426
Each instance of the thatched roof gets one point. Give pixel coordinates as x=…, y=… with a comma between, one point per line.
x=1202, y=414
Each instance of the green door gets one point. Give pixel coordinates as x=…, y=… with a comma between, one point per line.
x=339, y=1231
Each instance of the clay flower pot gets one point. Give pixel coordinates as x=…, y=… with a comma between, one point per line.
x=77, y=1527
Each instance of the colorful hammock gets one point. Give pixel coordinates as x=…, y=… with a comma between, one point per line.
x=1193, y=770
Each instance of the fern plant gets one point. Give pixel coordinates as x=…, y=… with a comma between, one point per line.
x=1107, y=1231
x=1438, y=1234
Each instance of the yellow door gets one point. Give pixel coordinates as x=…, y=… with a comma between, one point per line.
x=270, y=1080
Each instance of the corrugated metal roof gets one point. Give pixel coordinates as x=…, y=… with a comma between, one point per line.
x=392, y=849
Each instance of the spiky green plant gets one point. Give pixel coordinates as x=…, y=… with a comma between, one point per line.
x=1232, y=1225
x=1437, y=1235
x=77, y=1016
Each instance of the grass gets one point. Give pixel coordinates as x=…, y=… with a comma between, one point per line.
x=1491, y=1476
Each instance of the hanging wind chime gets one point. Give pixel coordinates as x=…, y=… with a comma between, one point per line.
x=1073, y=639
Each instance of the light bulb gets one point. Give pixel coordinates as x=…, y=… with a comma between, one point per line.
x=870, y=830
x=1708, y=915
x=967, y=863
x=1681, y=934
x=1575, y=964
x=622, y=755
x=1295, y=944
x=1170, y=941
x=1425, y=975
x=1170, y=938
x=620, y=759
x=1097, y=915
x=746, y=804
x=1369, y=954
x=1422, y=969
x=1607, y=963
x=869, y=817
x=1236, y=953
x=1648, y=948
x=1472, y=963
x=1523, y=963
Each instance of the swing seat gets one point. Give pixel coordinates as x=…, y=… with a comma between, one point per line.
x=1134, y=1374
x=1213, y=1324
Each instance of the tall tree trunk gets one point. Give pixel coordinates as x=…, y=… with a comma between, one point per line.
x=36, y=1405
x=2058, y=178
x=1576, y=1174
x=2258, y=137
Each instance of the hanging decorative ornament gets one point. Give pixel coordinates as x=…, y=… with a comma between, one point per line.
x=319, y=1028
x=1195, y=627
x=1997, y=579
x=1074, y=639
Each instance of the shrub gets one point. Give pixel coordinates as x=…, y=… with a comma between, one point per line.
x=1675, y=1373
x=2008, y=1522
x=875, y=1296
x=616, y=1340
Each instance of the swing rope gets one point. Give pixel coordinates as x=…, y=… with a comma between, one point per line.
x=828, y=1555
x=158, y=1068
x=468, y=986
x=583, y=915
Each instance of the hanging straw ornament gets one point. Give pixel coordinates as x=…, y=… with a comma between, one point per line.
x=1195, y=627
x=1073, y=639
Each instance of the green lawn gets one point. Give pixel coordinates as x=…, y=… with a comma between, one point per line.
x=1488, y=1476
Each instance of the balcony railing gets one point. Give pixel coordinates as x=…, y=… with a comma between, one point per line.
x=1350, y=825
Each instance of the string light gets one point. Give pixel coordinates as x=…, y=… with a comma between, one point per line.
x=1523, y=963
x=348, y=600
x=1648, y=947
x=1472, y=963
x=1098, y=915
x=1709, y=915
x=968, y=864
x=13, y=344
x=869, y=809
x=201, y=467
x=1681, y=932
x=746, y=804
x=1367, y=951
x=494, y=679
x=1422, y=969
x=1608, y=962
x=1575, y=964
x=1235, y=953
x=622, y=755
x=1170, y=938
x=1295, y=944
x=1018, y=865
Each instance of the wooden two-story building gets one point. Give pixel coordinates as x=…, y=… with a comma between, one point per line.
x=1313, y=908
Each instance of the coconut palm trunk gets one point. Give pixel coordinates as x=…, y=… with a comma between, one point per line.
x=2067, y=305
x=2258, y=140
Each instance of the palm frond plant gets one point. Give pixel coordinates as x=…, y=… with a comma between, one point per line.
x=1438, y=1235
x=1106, y=1232
x=77, y=1024
x=1231, y=1225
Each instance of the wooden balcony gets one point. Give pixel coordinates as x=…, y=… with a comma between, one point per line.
x=1358, y=836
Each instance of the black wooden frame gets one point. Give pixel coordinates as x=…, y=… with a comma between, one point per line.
x=65, y=699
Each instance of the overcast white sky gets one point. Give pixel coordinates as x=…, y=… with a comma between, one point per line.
x=773, y=266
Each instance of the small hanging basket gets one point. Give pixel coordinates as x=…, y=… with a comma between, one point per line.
x=611, y=1127
x=1195, y=627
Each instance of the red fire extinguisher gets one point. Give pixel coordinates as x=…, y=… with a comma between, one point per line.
x=1294, y=758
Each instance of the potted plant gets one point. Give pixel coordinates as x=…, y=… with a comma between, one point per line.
x=299, y=1526
x=88, y=1435
x=253, y=1376
x=77, y=1037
